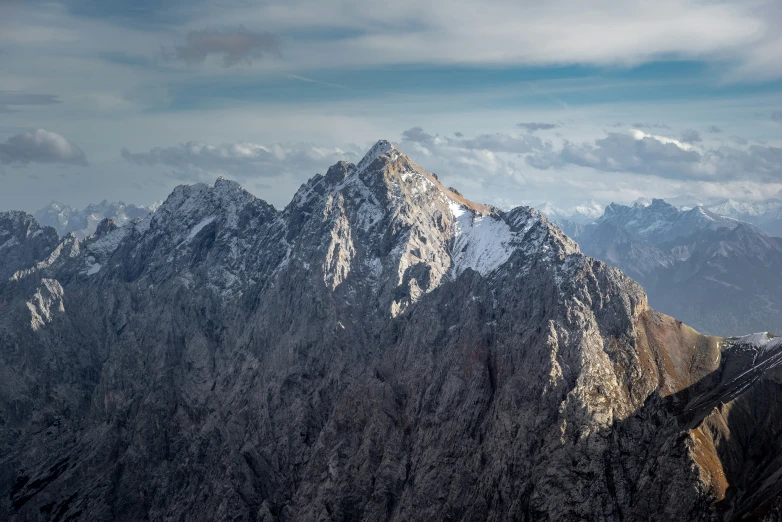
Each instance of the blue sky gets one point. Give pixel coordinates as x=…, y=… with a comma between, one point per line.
x=125, y=100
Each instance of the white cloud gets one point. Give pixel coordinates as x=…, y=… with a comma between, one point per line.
x=640, y=153
x=244, y=160
x=602, y=32
x=40, y=146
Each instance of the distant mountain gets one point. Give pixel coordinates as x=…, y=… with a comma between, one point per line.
x=584, y=213
x=82, y=223
x=380, y=349
x=716, y=273
x=765, y=214
x=572, y=220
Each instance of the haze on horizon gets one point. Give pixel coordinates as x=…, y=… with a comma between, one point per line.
x=511, y=102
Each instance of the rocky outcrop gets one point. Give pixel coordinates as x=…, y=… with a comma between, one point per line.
x=382, y=348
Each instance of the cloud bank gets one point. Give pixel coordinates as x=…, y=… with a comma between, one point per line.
x=640, y=153
x=244, y=159
x=41, y=146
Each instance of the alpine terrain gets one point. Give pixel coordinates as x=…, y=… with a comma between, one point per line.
x=82, y=223
x=380, y=349
x=765, y=214
x=719, y=274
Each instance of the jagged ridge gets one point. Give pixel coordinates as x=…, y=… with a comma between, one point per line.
x=382, y=348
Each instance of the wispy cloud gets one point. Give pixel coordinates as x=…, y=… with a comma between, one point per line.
x=641, y=125
x=10, y=100
x=41, y=146
x=233, y=46
x=536, y=126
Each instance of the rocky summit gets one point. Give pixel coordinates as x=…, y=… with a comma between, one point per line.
x=381, y=349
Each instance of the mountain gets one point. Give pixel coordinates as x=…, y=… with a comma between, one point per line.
x=82, y=223
x=572, y=221
x=582, y=214
x=766, y=215
x=380, y=349
x=720, y=275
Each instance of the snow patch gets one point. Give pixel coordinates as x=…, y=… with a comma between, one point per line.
x=457, y=209
x=762, y=341
x=481, y=242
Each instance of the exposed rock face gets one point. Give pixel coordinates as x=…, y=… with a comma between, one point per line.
x=23, y=243
x=381, y=349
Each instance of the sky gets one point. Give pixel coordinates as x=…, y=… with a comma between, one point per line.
x=510, y=101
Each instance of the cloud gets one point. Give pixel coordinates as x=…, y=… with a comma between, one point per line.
x=485, y=166
x=713, y=129
x=620, y=152
x=535, y=126
x=139, y=13
x=558, y=32
x=11, y=99
x=777, y=116
x=691, y=136
x=641, y=153
x=234, y=46
x=498, y=142
x=243, y=159
x=651, y=126
x=41, y=146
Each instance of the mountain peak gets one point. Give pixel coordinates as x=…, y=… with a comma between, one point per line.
x=378, y=149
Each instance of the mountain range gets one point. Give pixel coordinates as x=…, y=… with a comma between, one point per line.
x=718, y=274
x=380, y=349
x=582, y=214
x=766, y=215
x=82, y=223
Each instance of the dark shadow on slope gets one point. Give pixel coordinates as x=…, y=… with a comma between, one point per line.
x=729, y=423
